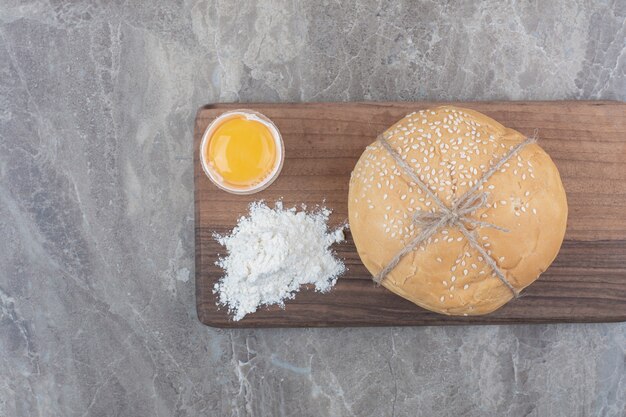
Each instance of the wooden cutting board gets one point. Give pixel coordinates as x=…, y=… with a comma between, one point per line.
x=586, y=283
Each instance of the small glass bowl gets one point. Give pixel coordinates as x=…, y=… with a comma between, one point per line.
x=249, y=115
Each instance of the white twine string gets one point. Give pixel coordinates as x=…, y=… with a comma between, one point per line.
x=457, y=215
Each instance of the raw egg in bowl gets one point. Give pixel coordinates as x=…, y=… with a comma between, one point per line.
x=242, y=151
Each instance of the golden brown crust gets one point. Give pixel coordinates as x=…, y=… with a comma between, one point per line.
x=451, y=148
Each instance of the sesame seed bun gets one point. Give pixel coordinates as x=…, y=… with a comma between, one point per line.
x=450, y=148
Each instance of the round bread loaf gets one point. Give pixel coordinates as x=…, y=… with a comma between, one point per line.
x=450, y=149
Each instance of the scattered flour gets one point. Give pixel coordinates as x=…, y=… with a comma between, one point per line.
x=271, y=253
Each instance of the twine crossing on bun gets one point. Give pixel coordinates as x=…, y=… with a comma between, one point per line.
x=457, y=215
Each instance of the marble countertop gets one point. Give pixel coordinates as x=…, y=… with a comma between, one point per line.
x=97, y=100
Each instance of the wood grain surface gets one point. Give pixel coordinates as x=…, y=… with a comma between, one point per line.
x=586, y=283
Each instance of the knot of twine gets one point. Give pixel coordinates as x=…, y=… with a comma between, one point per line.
x=457, y=215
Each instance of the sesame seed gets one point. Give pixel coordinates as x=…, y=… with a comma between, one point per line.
x=466, y=286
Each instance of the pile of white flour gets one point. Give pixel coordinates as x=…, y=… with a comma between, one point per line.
x=272, y=252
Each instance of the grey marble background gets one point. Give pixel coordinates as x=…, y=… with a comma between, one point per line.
x=97, y=100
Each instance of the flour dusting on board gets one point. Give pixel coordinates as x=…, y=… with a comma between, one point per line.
x=272, y=252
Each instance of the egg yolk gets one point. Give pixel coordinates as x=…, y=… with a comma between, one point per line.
x=242, y=151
